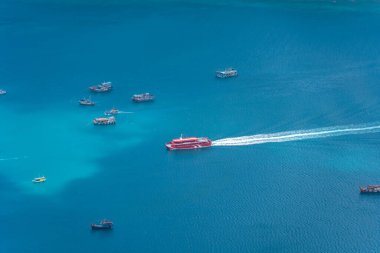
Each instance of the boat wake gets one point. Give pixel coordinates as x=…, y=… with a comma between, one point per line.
x=12, y=158
x=298, y=135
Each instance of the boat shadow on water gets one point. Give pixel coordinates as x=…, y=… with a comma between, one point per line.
x=101, y=233
x=369, y=195
x=187, y=154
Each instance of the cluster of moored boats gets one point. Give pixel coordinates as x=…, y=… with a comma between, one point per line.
x=110, y=120
x=106, y=87
x=175, y=144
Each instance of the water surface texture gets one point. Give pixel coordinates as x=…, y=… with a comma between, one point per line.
x=308, y=92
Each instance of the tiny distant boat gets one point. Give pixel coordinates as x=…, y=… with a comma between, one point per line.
x=102, y=225
x=229, y=72
x=113, y=111
x=86, y=101
x=104, y=121
x=188, y=143
x=370, y=189
x=3, y=92
x=145, y=97
x=103, y=87
x=39, y=179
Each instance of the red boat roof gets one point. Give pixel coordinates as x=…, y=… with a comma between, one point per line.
x=186, y=139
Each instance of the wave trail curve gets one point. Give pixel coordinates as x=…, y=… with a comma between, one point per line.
x=298, y=135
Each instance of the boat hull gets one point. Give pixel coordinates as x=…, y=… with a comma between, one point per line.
x=99, y=90
x=142, y=100
x=225, y=75
x=370, y=189
x=38, y=181
x=103, y=124
x=100, y=227
x=171, y=146
x=368, y=192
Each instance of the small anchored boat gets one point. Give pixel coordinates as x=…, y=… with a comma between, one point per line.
x=103, y=87
x=113, y=111
x=104, y=121
x=102, y=225
x=229, y=72
x=144, y=97
x=39, y=179
x=86, y=101
x=3, y=92
x=370, y=189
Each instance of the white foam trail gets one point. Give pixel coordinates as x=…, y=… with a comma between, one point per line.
x=12, y=158
x=298, y=135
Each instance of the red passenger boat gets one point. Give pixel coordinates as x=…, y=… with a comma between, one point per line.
x=188, y=143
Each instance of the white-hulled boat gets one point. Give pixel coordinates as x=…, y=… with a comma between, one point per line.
x=86, y=101
x=229, y=72
x=39, y=179
x=104, y=121
x=103, y=87
x=113, y=111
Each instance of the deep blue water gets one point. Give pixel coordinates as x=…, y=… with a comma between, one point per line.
x=301, y=66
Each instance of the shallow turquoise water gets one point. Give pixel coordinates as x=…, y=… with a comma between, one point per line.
x=301, y=66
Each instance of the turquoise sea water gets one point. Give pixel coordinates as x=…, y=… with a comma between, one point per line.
x=302, y=66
